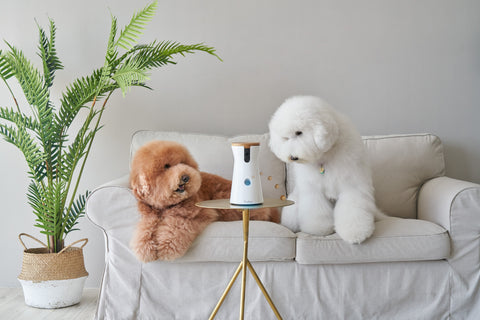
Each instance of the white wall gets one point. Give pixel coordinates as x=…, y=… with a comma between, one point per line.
x=396, y=66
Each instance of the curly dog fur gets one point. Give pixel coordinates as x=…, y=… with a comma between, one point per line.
x=167, y=183
x=329, y=170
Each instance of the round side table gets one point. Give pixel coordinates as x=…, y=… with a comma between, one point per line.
x=245, y=263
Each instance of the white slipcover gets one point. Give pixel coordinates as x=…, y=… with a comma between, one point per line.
x=422, y=263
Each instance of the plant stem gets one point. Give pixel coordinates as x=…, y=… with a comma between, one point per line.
x=70, y=178
x=51, y=243
x=88, y=151
x=13, y=96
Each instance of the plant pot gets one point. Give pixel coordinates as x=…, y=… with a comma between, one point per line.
x=52, y=280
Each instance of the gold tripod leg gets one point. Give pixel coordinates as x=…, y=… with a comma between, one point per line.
x=265, y=293
x=246, y=219
x=243, y=267
x=224, y=295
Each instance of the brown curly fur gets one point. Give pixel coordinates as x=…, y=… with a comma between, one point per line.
x=167, y=183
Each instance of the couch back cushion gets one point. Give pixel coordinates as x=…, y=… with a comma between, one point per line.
x=214, y=155
x=401, y=164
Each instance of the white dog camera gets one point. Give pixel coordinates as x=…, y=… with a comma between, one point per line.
x=246, y=184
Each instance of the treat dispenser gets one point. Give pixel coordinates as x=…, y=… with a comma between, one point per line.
x=246, y=184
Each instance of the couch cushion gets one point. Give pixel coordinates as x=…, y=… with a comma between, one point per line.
x=401, y=164
x=114, y=209
x=223, y=242
x=214, y=155
x=394, y=239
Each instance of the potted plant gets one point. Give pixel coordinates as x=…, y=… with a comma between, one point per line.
x=56, y=153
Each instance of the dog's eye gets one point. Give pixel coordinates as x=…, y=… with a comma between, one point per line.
x=166, y=166
x=298, y=133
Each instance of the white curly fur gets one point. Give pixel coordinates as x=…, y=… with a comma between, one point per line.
x=309, y=135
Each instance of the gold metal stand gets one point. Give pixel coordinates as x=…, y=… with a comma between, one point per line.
x=245, y=263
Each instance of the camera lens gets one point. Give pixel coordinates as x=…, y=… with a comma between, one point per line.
x=246, y=155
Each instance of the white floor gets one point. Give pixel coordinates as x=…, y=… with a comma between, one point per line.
x=13, y=307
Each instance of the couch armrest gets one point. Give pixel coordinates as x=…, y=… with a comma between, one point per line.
x=113, y=208
x=455, y=205
x=123, y=181
x=441, y=198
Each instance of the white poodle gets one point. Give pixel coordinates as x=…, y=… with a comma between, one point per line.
x=329, y=173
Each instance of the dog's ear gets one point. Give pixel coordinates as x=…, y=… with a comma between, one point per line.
x=326, y=132
x=190, y=161
x=141, y=187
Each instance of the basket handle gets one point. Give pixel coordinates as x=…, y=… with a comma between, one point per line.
x=25, y=234
x=71, y=244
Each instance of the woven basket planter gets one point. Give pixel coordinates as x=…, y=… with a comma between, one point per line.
x=52, y=280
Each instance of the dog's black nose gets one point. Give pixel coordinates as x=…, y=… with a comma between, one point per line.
x=185, y=178
x=293, y=158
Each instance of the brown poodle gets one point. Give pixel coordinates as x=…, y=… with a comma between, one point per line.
x=167, y=183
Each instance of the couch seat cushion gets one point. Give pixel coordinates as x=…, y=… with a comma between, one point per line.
x=223, y=242
x=394, y=239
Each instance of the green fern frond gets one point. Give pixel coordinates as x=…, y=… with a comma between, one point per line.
x=34, y=156
x=111, y=48
x=29, y=78
x=48, y=53
x=20, y=137
x=129, y=74
x=35, y=197
x=45, y=116
x=77, y=211
x=46, y=203
x=76, y=96
x=133, y=30
x=170, y=48
x=6, y=71
x=156, y=55
x=112, y=52
x=19, y=119
x=73, y=153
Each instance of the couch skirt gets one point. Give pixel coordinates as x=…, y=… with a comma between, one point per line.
x=162, y=290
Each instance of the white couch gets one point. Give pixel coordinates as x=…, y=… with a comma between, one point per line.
x=423, y=262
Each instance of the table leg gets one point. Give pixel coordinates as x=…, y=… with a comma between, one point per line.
x=246, y=221
x=224, y=295
x=265, y=293
x=244, y=265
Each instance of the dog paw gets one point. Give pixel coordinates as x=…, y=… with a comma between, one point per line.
x=319, y=229
x=146, y=251
x=169, y=250
x=322, y=226
x=355, y=233
x=289, y=218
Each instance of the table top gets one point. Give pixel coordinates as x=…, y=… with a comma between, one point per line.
x=225, y=204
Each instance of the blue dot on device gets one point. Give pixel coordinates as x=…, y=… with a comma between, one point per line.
x=247, y=182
